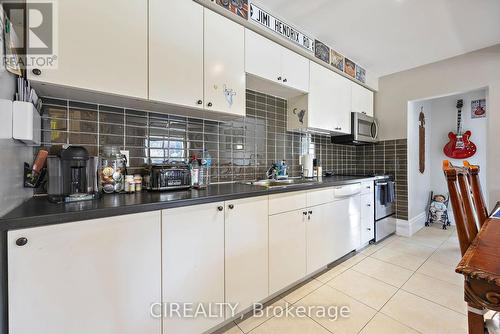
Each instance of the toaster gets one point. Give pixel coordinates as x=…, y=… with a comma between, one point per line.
x=168, y=177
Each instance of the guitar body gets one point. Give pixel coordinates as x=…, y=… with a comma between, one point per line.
x=460, y=147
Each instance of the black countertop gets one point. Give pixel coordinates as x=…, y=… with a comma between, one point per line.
x=38, y=211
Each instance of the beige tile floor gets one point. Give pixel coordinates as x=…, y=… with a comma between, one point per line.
x=401, y=285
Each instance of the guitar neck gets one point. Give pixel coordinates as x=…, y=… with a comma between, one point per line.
x=459, y=121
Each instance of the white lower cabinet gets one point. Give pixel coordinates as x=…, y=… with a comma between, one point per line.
x=246, y=251
x=367, y=218
x=193, y=264
x=320, y=236
x=94, y=276
x=287, y=249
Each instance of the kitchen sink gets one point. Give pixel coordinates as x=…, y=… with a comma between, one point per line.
x=280, y=183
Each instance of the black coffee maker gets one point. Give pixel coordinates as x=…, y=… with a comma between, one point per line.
x=72, y=175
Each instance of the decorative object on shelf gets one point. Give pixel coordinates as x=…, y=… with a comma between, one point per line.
x=459, y=146
x=360, y=74
x=337, y=60
x=322, y=51
x=350, y=67
x=261, y=17
x=421, y=141
x=478, y=108
x=238, y=7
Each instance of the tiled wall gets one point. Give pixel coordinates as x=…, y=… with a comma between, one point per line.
x=242, y=149
x=389, y=157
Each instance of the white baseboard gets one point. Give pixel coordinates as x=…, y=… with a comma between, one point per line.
x=407, y=228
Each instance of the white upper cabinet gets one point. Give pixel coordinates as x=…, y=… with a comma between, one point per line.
x=246, y=251
x=224, y=64
x=295, y=70
x=102, y=46
x=175, y=57
x=93, y=276
x=362, y=99
x=341, y=103
x=320, y=111
x=271, y=61
x=262, y=56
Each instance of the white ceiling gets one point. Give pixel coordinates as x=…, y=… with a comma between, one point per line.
x=388, y=36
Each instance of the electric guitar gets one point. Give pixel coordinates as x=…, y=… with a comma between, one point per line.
x=459, y=146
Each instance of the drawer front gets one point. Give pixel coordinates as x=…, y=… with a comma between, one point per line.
x=348, y=190
x=321, y=196
x=367, y=187
x=367, y=207
x=367, y=230
x=287, y=202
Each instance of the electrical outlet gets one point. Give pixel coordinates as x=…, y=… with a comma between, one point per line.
x=126, y=153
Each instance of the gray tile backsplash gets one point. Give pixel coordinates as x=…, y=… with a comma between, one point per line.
x=241, y=149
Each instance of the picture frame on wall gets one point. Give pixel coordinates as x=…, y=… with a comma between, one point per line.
x=350, y=67
x=322, y=51
x=337, y=60
x=478, y=108
x=360, y=74
x=238, y=7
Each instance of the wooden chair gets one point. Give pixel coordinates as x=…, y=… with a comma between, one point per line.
x=477, y=193
x=470, y=213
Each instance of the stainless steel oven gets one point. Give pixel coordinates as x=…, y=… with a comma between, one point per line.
x=385, y=207
x=364, y=129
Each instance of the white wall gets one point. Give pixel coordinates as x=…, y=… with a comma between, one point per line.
x=418, y=183
x=468, y=72
x=444, y=115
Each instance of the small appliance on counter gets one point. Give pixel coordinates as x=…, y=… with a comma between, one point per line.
x=73, y=175
x=169, y=176
x=307, y=163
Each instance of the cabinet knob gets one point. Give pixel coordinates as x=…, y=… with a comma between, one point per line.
x=369, y=229
x=368, y=205
x=363, y=112
x=231, y=206
x=279, y=78
x=209, y=104
x=199, y=102
x=21, y=241
x=36, y=71
x=310, y=212
x=220, y=208
x=368, y=187
x=285, y=80
x=304, y=213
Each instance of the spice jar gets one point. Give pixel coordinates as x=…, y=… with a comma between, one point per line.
x=138, y=182
x=112, y=170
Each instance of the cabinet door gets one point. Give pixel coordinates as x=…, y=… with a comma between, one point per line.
x=176, y=57
x=367, y=218
x=295, y=70
x=224, y=65
x=320, y=236
x=94, y=276
x=321, y=93
x=287, y=249
x=246, y=246
x=262, y=57
x=102, y=46
x=193, y=263
x=362, y=99
x=341, y=103
x=346, y=220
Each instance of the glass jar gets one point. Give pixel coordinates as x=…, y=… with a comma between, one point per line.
x=112, y=170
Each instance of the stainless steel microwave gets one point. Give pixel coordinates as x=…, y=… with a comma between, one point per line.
x=364, y=130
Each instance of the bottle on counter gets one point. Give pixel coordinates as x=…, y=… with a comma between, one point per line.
x=194, y=167
x=138, y=182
